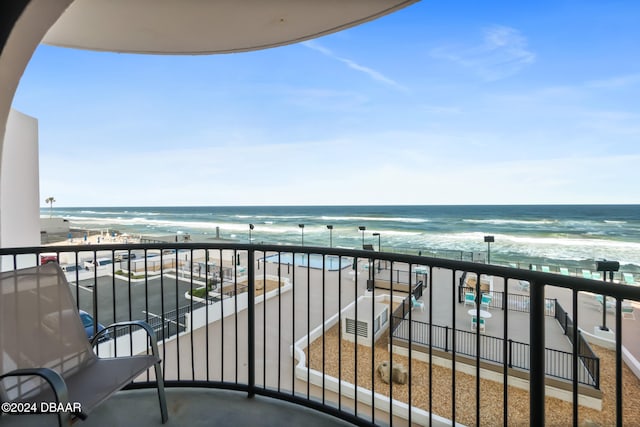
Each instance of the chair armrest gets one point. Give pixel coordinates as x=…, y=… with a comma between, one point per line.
x=58, y=386
x=140, y=323
x=54, y=379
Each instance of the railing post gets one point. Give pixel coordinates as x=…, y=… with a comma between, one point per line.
x=446, y=339
x=510, y=363
x=536, y=354
x=251, y=320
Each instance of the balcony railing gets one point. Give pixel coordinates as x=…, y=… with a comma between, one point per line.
x=271, y=323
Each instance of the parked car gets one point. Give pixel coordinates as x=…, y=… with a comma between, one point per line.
x=123, y=256
x=52, y=323
x=47, y=257
x=100, y=262
x=69, y=268
x=87, y=322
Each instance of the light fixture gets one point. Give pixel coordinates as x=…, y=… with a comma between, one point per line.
x=489, y=240
x=606, y=266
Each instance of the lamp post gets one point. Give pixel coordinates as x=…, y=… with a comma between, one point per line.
x=489, y=240
x=379, y=248
x=250, y=228
x=302, y=232
x=330, y=228
x=362, y=228
x=606, y=266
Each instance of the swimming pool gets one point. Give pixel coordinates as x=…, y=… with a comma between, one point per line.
x=331, y=262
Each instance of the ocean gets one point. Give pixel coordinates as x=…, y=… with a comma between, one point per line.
x=573, y=236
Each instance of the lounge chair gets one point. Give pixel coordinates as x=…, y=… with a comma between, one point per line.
x=415, y=303
x=611, y=303
x=549, y=306
x=474, y=322
x=46, y=354
x=629, y=279
x=470, y=299
x=586, y=274
x=533, y=267
x=524, y=285
x=564, y=271
x=485, y=301
x=545, y=269
x=627, y=311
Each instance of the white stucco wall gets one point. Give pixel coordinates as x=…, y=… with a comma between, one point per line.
x=24, y=36
x=19, y=184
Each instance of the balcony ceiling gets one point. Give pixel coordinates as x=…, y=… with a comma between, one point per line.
x=206, y=26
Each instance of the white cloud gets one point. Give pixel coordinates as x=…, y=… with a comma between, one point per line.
x=616, y=82
x=502, y=53
x=374, y=74
x=418, y=168
x=326, y=99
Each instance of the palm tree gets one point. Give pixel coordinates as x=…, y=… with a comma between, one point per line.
x=50, y=200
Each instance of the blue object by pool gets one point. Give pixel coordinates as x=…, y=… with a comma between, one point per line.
x=331, y=262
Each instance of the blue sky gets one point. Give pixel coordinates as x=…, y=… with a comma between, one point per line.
x=458, y=102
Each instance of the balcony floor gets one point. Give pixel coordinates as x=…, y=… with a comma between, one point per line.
x=191, y=407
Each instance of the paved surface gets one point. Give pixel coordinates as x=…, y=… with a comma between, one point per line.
x=120, y=300
x=192, y=408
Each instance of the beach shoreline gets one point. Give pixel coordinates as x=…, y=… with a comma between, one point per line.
x=82, y=236
x=572, y=237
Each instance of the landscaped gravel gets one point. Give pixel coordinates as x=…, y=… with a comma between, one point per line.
x=558, y=412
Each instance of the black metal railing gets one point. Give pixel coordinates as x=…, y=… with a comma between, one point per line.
x=405, y=307
x=558, y=363
x=587, y=356
x=245, y=341
x=514, y=302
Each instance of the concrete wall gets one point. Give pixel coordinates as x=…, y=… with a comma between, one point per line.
x=19, y=184
x=23, y=24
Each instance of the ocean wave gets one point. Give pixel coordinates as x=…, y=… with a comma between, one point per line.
x=89, y=212
x=511, y=221
x=547, y=247
x=374, y=218
x=571, y=238
x=147, y=213
x=273, y=217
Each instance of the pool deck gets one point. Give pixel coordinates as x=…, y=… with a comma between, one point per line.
x=589, y=310
x=286, y=320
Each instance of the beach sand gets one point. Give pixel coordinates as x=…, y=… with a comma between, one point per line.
x=89, y=237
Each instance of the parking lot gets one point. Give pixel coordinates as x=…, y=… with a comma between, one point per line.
x=119, y=300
